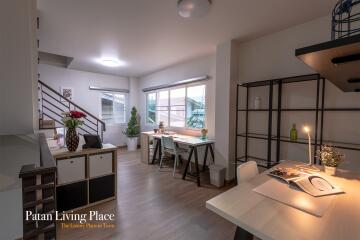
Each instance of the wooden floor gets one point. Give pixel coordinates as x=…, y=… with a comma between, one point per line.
x=153, y=205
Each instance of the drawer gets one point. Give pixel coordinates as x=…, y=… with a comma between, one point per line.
x=101, y=188
x=101, y=164
x=71, y=170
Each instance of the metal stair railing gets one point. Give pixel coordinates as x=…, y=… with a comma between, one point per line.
x=52, y=104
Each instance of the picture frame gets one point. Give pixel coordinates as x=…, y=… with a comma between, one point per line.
x=67, y=93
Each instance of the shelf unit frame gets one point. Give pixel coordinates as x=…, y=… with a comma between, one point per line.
x=271, y=110
x=319, y=110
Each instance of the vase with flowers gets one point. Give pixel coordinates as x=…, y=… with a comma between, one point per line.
x=72, y=120
x=331, y=159
x=204, y=133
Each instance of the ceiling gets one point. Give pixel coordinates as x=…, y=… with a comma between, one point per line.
x=149, y=34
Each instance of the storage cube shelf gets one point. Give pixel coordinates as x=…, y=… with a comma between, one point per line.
x=85, y=177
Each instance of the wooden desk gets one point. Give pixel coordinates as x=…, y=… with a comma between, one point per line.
x=85, y=177
x=193, y=143
x=270, y=219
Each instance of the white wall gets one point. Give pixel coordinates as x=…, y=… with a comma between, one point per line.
x=194, y=68
x=17, y=66
x=57, y=77
x=273, y=56
x=134, y=93
x=225, y=124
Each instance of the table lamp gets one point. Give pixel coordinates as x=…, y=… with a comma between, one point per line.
x=308, y=167
x=307, y=131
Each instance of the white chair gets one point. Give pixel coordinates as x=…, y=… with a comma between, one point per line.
x=169, y=146
x=246, y=171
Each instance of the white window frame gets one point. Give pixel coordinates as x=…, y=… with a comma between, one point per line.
x=126, y=112
x=146, y=108
x=186, y=86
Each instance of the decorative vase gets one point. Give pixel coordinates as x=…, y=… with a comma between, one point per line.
x=293, y=133
x=331, y=171
x=257, y=103
x=161, y=127
x=72, y=139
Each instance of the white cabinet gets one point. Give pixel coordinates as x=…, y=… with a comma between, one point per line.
x=71, y=170
x=101, y=164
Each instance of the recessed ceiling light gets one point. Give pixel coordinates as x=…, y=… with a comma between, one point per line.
x=111, y=62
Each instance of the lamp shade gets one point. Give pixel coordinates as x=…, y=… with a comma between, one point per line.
x=193, y=8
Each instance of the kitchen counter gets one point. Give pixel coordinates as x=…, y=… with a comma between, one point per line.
x=15, y=151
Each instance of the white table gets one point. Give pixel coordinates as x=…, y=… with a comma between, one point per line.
x=270, y=219
x=193, y=143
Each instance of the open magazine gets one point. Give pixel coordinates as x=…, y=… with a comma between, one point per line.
x=312, y=184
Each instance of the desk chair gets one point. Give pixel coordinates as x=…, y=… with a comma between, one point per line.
x=169, y=146
x=245, y=172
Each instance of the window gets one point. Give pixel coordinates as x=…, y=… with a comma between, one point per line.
x=113, y=110
x=195, y=107
x=177, y=107
x=162, y=107
x=151, y=107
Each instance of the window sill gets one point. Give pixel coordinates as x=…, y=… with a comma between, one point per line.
x=115, y=124
x=148, y=125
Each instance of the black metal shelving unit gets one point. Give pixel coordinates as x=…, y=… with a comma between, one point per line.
x=269, y=137
x=277, y=139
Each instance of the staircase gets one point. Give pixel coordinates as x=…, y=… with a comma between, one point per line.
x=51, y=106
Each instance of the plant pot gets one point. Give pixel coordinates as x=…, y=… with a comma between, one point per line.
x=132, y=143
x=72, y=139
x=331, y=171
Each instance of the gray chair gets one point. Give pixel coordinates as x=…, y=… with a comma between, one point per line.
x=169, y=146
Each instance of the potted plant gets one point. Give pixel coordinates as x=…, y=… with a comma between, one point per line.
x=132, y=131
x=161, y=127
x=72, y=120
x=331, y=159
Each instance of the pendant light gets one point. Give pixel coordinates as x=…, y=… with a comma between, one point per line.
x=193, y=8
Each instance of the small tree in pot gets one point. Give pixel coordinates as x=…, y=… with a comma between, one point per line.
x=132, y=131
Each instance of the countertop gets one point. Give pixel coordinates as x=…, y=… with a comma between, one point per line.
x=15, y=151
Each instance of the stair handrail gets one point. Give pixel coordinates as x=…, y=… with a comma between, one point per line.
x=74, y=104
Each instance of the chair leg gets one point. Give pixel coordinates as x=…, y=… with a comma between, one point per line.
x=161, y=160
x=241, y=234
x=176, y=162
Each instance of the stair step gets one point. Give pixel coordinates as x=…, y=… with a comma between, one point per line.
x=47, y=124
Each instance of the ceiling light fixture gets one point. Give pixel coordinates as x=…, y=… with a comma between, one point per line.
x=193, y=8
x=111, y=62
